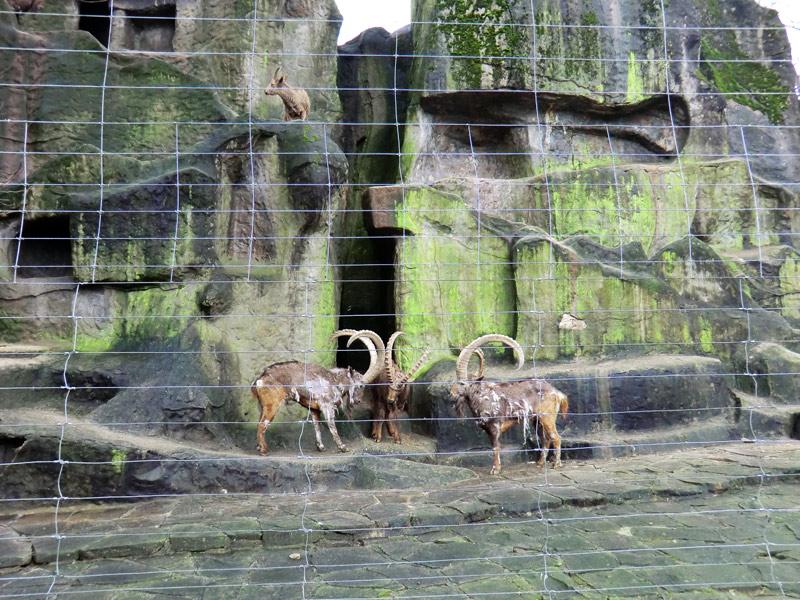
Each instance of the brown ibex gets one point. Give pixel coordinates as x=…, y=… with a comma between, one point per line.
x=391, y=391
x=497, y=405
x=296, y=104
x=318, y=389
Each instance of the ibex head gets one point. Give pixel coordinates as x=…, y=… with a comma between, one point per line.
x=397, y=377
x=278, y=80
x=375, y=355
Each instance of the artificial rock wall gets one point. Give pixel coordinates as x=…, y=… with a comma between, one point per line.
x=570, y=177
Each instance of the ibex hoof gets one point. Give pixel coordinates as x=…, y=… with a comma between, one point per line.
x=343, y=449
x=321, y=447
x=397, y=440
x=495, y=471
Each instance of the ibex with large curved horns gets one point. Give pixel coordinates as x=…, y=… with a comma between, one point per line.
x=391, y=394
x=497, y=405
x=296, y=104
x=320, y=390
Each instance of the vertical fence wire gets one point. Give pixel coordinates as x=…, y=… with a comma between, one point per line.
x=101, y=157
x=24, y=201
x=528, y=514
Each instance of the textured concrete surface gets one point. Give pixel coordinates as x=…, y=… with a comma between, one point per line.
x=704, y=523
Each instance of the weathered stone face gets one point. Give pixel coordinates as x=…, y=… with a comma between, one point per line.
x=586, y=129
x=298, y=35
x=585, y=52
x=559, y=172
x=161, y=198
x=622, y=181
x=217, y=41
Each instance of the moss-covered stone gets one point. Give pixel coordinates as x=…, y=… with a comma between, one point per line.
x=484, y=40
x=165, y=237
x=622, y=309
x=448, y=286
x=684, y=297
x=644, y=203
x=789, y=278
x=123, y=104
x=728, y=68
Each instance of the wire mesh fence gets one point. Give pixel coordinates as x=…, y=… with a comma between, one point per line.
x=507, y=236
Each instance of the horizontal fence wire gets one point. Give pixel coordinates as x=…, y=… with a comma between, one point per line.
x=178, y=253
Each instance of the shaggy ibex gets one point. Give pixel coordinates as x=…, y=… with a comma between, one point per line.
x=499, y=404
x=391, y=392
x=296, y=104
x=319, y=389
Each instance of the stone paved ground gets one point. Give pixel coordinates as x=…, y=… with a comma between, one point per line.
x=719, y=522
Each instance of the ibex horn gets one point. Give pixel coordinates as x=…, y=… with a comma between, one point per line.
x=481, y=365
x=466, y=353
x=372, y=341
x=391, y=371
x=374, y=360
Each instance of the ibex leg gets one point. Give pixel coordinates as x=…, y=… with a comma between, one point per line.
x=378, y=414
x=317, y=433
x=493, y=429
x=393, y=430
x=329, y=413
x=270, y=399
x=551, y=436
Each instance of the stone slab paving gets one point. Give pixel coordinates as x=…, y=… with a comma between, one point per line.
x=718, y=522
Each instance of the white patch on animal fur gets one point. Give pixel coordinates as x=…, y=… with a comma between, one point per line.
x=495, y=403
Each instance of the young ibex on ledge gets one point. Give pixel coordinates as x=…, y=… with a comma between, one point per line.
x=319, y=389
x=296, y=104
x=391, y=392
x=499, y=404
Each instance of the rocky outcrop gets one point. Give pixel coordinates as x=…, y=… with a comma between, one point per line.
x=569, y=177
x=594, y=189
x=566, y=136
x=153, y=218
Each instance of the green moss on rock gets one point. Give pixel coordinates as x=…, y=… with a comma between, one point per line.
x=481, y=37
x=733, y=72
x=452, y=284
x=619, y=312
x=683, y=299
x=789, y=277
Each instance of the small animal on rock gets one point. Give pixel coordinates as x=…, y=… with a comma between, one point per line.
x=322, y=391
x=391, y=393
x=497, y=405
x=296, y=104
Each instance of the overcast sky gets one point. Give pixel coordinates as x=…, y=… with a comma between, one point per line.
x=393, y=14
x=363, y=14
x=789, y=14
